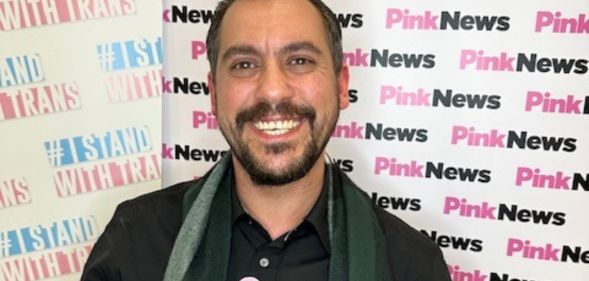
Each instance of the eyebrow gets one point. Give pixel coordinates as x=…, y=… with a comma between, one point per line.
x=300, y=46
x=240, y=50
x=251, y=50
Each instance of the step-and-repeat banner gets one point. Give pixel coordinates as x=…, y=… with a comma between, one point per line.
x=468, y=119
x=80, y=126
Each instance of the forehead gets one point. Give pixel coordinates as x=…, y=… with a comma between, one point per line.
x=271, y=23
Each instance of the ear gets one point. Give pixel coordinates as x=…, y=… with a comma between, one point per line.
x=343, y=80
x=213, y=93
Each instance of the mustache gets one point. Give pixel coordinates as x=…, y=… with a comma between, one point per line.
x=261, y=109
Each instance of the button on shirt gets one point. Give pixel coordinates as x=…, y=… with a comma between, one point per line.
x=300, y=254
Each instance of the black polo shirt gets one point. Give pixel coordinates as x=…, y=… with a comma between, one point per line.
x=300, y=254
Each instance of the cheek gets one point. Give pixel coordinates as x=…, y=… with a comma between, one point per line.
x=232, y=97
x=319, y=93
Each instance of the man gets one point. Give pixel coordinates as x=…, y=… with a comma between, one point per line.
x=274, y=208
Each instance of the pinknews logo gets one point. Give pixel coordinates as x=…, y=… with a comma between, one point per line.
x=385, y=58
x=353, y=95
x=439, y=170
x=379, y=131
x=545, y=103
x=511, y=140
x=439, y=98
x=346, y=165
x=454, y=242
x=445, y=20
x=514, y=213
x=183, y=85
x=14, y=192
x=558, y=24
x=18, y=14
x=533, y=177
x=459, y=274
x=350, y=20
x=186, y=152
x=548, y=252
x=204, y=120
x=199, y=48
x=184, y=15
x=396, y=203
x=505, y=62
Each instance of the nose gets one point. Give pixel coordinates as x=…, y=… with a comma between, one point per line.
x=273, y=84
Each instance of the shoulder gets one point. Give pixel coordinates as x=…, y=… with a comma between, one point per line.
x=412, y=255
x=158, y=213
x=402, y=235
x=151, y=215
x=407, y=248
x=164, y=201
x=138, y=239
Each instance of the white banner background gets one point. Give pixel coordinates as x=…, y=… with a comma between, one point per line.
x=191, y=142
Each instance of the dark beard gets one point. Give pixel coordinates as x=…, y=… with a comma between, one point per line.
x=300, y=167
x=296, y=170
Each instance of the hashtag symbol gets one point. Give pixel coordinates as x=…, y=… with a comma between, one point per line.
x=54, y=152
x=106, y=56
x=5, y=244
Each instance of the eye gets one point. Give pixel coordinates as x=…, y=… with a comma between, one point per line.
x=242, y=65
x=300, y=61
x=300, y=65
x=244, y=68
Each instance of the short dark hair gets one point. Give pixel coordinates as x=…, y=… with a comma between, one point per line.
x=334, y=33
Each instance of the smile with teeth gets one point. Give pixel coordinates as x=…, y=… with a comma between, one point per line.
x=276, y=128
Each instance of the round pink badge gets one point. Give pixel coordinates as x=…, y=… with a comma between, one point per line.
x=249, y=279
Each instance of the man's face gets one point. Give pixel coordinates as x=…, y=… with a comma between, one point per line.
x=275, y=92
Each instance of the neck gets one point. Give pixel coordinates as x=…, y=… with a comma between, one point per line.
x=279, y=209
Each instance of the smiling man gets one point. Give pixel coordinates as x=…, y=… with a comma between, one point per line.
x=274, y=208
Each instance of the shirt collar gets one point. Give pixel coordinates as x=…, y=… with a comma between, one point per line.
x=317, y=217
